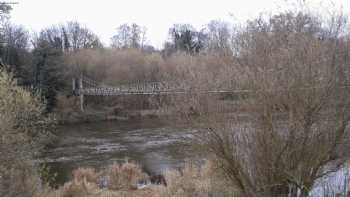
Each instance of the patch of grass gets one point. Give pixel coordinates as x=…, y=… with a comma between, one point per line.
x=124, y=176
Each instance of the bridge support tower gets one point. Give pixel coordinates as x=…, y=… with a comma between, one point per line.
x=81, y=95
x=78, y=90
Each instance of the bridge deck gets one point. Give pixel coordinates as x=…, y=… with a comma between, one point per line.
x=92, y=88
x=116, y=92
x=142, y=88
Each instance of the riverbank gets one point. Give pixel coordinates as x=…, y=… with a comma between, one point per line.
x=92, y=115
x=128, y=179
x=108, y=109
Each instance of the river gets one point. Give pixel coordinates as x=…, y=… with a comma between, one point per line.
x=154, y=145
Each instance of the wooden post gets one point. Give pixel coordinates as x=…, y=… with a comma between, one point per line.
x=81, y=94
x=73, y=86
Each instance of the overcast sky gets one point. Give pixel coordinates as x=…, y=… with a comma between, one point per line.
x=104, y=16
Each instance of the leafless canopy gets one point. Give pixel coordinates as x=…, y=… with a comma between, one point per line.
x=291, y=127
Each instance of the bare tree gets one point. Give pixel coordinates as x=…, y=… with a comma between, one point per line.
x=135, y=36
x=71, y=37
x=79, y=37
x=122, y=38
x=219, y=37
x=184, y=37
x=289, y=126
x=143, y=38
x=299, y=110
x=14, y=52
x=129, y=36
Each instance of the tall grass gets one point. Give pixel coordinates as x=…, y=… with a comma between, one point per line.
x=190, y=181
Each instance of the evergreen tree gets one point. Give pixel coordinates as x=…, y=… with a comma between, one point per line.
x=48, y=72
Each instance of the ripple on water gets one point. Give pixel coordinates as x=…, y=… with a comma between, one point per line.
x=155, y=143
x=134, y=138
x=68, y=149
x=63, y=159
x=108, y=147
x=93, y=140
x=152, y=145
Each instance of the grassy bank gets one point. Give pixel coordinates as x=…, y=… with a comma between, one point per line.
x=122, y=180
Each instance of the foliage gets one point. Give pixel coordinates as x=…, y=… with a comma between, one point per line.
x=48, y=78
x=24, y=131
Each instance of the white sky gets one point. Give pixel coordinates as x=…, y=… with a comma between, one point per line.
x=104, y=16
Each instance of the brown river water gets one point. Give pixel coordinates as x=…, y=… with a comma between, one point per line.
x=151, y=143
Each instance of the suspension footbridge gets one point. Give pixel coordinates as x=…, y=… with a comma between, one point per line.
x=89, y=87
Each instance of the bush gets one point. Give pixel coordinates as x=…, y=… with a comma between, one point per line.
x=294, y=127
x=23, y=132
x=297, y=131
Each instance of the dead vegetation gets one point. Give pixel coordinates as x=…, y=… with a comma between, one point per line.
x=192, y=180
x=124, y=176
x=288, y=114
x=285, y=125
x=89, y=174
x=24, y=131
x=294, y=68
x=115, y=180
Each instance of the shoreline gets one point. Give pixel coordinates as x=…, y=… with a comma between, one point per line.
x=91, y=116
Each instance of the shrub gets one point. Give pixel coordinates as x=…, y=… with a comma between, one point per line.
x=297, y=131
x=294, y=130
x=24, y=131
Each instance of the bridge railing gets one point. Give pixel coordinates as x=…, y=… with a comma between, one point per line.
x=89, y=86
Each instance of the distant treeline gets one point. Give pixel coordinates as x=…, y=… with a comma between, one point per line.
x=49, y=59
x=44, y=59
